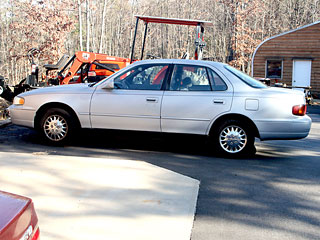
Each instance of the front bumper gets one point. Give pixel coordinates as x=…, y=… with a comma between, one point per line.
x=22, y=116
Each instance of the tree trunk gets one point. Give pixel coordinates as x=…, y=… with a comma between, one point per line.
x=103, y=25
x=88, y=25
x=80, y=25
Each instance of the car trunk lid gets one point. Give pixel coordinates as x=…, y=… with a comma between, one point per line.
x=18, y=219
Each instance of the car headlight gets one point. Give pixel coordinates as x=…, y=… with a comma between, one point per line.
x=18, y=101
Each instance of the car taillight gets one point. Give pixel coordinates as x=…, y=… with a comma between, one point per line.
x=36, y=236
x=92, y=74
x=299, y=110
x=28, y=233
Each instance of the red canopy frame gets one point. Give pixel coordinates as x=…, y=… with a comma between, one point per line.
x=177, y=21
x=199, y=24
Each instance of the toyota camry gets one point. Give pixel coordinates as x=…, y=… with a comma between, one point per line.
x=169, y=96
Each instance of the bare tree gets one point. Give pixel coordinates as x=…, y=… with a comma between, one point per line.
x=88, y=25
x=80, y=24
x=103, y=24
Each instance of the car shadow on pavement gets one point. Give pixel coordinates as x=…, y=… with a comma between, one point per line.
x=273, y=193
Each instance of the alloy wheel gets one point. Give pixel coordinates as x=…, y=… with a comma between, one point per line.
x=233, y=139
x=55, y=128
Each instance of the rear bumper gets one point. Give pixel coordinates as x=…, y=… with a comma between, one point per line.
x=283, y=129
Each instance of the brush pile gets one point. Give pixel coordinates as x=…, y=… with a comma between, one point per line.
x=3, y=105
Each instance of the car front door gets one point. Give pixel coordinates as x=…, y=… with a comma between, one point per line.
x=196, y=96
x=135, y=101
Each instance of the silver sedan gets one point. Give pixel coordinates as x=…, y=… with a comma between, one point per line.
x=171, y=96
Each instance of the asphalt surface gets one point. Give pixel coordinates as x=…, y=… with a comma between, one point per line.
x=273, y=195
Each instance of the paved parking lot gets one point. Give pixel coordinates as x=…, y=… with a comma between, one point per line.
x=274, y=195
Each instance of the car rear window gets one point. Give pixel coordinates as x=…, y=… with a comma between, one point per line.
x=245, y=78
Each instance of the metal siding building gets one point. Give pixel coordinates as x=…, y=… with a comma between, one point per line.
x=292, y=58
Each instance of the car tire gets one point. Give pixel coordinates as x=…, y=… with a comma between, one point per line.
x=56, y=126
x=233, y=138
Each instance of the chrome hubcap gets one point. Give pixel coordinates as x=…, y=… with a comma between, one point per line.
x=233, y=139
x=55, y=127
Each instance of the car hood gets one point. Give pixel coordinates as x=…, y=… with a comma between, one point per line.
x=61, y=89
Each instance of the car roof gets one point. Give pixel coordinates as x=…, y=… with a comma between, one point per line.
x=180, y=61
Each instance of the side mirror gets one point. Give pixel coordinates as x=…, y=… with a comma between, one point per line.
x=109, y=84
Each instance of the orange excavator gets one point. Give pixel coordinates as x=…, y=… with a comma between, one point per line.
x=84, y=67
x=81, y=67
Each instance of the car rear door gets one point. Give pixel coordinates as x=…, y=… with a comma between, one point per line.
x=196, y=95
x=135, y=102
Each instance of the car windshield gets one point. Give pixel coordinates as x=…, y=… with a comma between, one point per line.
x=245, y=78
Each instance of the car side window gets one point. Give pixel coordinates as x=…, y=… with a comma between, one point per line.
x=189, y=78
x=142, y=77
x=217, y=83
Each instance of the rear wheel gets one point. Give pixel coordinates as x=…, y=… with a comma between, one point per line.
x=233, y=138
x=56, y=126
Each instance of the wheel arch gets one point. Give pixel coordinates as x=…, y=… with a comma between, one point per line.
x=234, y=116
x=50, y=105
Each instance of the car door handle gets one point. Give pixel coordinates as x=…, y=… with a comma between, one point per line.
x=219, y=101
x=155, y=100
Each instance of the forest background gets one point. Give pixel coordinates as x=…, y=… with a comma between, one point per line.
x=57, y=27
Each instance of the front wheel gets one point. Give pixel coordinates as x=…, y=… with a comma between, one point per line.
x=233, y=138
x=56, y=126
